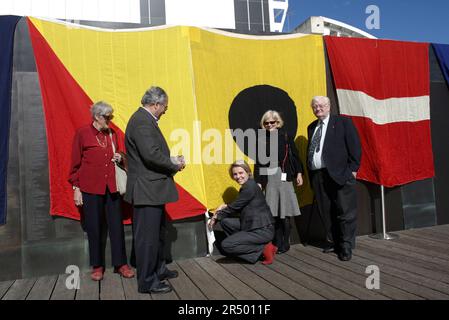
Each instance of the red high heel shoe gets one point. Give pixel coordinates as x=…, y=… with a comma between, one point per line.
x=269, y=251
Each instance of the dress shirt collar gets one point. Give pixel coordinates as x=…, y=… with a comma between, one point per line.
x=325, y=120
x=95, y=131
x=151, y=114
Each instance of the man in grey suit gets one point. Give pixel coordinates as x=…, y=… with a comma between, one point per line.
x=149, y=187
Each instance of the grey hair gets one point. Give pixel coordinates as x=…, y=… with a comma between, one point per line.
x=154, y=95
x=274, y=115
x=100, y=108
x=321, y=99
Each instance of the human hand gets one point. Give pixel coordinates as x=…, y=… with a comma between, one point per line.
x=260, y=186
x=221, y=207
x=117, y=158
x=299, y=180
x=78, y=197
x=181, y=161
x=212, y=222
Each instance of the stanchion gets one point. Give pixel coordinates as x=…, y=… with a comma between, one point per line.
x=384, y=235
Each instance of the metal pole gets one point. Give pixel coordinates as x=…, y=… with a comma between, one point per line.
x=384, y=235
x=382, y=197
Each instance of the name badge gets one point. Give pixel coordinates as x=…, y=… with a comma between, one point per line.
x=283, y=176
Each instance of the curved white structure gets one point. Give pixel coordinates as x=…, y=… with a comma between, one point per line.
x=331, y=27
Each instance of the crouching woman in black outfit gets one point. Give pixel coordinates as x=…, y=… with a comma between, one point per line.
x=248, y=237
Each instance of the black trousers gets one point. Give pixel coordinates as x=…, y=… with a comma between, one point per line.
x=246, y=245
x=337, y=205
x=102, y=213
x=149, y=243
x=282, y=234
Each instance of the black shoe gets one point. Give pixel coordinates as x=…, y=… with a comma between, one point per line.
x=161, y=288
x=329, y=249
x=168, y=275
x=345, y=254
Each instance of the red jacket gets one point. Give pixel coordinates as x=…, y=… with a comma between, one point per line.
x=92, y=169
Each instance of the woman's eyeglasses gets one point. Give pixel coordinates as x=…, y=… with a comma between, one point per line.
x=269, y=122
x=108, y=116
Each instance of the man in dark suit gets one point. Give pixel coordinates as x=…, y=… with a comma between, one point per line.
x=333, y=160
x=149, y=187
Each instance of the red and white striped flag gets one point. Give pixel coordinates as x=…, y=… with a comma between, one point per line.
x=384, y=87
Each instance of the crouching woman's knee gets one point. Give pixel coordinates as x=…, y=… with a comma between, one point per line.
x=229, y=245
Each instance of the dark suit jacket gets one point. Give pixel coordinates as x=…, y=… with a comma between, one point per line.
x=150, y=170
x=252, y=206
x=292, y=165
x=341, y=150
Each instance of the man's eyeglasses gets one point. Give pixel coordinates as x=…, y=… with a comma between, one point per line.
x=269, y=122
x=108, y=116
x=319, y=106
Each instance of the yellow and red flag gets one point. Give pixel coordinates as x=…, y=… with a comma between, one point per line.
x=204, y=72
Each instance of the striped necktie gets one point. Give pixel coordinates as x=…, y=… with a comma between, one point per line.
x=315, y=144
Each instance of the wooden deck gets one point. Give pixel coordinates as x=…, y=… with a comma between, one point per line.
x=413, y=267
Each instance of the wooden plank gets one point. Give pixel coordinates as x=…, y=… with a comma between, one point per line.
x=61, y=292
x=394, y=288
x=423, y=243
x=426, y=235
x=445, y=226
x=89, y=289
x=43, y=288
x=429, y=234
x=406, y=256
x=321, y=288
x=425, y=287
x=4, y=286
x=19, y=289
x=435, y=232
x=208, y=286
x=400, y=264
x=294, y=289
x=165, y=296
x=184, y=287
x=417, y=247
x=111, y=287
x=409, y=251
x=332, y=280
x=232, y=284
x=261, y=286
x=130, y=290
x=442, y=227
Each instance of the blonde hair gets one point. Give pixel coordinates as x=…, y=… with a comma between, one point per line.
x=240, y=164
x=274, y=115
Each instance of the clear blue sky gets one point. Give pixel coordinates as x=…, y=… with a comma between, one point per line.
x=411, y=20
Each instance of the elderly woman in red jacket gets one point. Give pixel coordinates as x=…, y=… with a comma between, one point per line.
x=92, y=176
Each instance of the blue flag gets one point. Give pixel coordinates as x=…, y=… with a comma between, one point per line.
x=442, y=52
x=7, y=27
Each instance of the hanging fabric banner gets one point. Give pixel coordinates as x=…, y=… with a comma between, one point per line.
x=442, y=53
x=7, y=27
x=384, y=87
x=205, y=74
